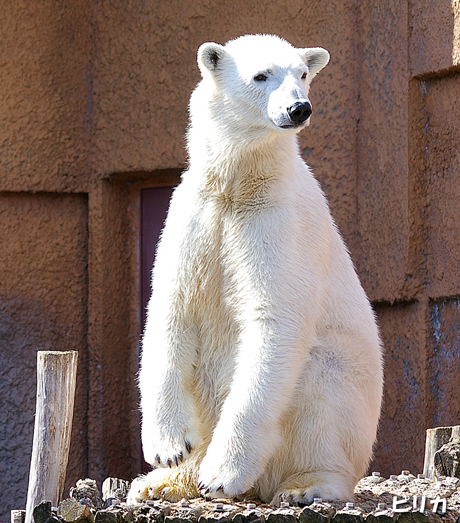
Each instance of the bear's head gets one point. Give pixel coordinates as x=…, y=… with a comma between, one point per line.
x=260, y=82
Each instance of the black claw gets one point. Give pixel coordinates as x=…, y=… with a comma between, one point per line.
x=200, y=486
x=176, y=461
x=158, y=459
x=188, y=446
x=207, y=491
x=181, y=456
x=169, y=462
x=221, y=487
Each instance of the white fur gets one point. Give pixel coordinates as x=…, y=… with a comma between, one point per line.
x=261, y=350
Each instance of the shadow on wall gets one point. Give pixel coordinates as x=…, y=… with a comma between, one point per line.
x=39, y=329
x=43, y=302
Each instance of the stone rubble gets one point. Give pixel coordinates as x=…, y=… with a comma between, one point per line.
x=403, y=498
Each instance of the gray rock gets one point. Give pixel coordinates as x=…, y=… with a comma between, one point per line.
x=214, y=517
x=70, y=510
x=42, y=513
x=380, y=517
x=447, y=460
x=110, y=516
x=249, y=516
x=413, y=517
x=348, y=516
x=316, y=513
x=87, y=493
x=282, y=515
x=149, y=514
x=181, y=518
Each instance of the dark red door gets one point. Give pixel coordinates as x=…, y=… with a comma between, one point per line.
x=154, y=206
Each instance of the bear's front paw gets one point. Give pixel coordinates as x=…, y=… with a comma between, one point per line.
x=219, y=479
x=168, y=453
x=161, y=450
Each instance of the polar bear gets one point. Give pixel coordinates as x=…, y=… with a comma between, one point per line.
x=261, y=371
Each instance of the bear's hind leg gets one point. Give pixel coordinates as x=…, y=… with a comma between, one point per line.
x=303, y=487
x=328, y=433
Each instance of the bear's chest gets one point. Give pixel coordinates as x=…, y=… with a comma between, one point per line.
x=208, y=271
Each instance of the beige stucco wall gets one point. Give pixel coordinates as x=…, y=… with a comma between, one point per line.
x=93, y=106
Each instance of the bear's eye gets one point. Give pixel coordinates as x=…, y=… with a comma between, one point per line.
x=304, y=75
x=260, y=77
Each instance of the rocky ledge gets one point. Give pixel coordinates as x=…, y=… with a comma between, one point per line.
x=403, y=498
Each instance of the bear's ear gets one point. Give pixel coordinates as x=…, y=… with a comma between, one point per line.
x=210, y=56
x=316, y=58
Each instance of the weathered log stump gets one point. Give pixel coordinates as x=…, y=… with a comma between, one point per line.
x=56, y=380
x=18, y=516
x=448, y=459
x=114, y=490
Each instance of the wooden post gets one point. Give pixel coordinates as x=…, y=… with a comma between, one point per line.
x=18, y=516
x=447, y=458
x=114, y=488
x=56, y=380
x=435, y=439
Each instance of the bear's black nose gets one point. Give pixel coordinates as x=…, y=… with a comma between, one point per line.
x=299, y=112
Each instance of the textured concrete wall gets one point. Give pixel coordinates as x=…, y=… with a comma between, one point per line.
x=410, y=265
x=44, y=95
x=43, y=306
x=93, y=108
